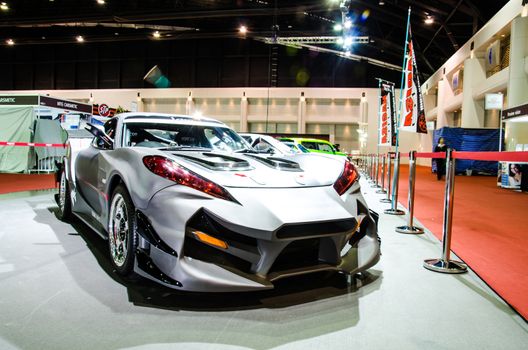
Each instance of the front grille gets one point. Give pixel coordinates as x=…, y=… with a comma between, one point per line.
x=316, y=229
x=297, y=254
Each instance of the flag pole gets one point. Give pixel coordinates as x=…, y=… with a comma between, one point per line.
x=397, y=131
x=394, y=198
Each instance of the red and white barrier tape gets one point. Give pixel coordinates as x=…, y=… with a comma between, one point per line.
x=31, y=144
x=517, y=156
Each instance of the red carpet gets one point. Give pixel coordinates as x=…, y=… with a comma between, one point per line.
x=490, y=228
x=26, y=182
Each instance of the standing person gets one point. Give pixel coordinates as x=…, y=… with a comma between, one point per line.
x=440, y=162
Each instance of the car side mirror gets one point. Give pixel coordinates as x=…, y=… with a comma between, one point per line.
x=100, y=135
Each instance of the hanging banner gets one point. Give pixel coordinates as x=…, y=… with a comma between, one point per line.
x=413, y=111
x=387, y=115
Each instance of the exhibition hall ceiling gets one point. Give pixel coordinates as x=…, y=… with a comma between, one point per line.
x=439, y=27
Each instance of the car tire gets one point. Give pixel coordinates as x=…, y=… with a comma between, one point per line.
x=122, y=236
x=64, y=198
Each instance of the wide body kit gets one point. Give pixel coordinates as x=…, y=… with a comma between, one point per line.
x=281, y=217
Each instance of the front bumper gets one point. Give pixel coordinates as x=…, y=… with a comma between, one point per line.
x=255, y=256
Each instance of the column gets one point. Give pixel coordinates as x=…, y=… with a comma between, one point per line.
x=518, y=82
x=363, y=125
x=444, y=91
x=472, y=110
x=189, y=105
x=301, y=116
x=244, y=109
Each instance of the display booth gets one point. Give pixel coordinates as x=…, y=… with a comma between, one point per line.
x=515, y=175
x=31, y=137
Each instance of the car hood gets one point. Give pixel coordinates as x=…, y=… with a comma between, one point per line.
x=258, y=170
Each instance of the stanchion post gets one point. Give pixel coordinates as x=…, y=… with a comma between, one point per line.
x=376, y=171
x=371, y=168
x=389, y=173
x=445, y=264
x=382, y=187
x=410, y=228
x=395, y=178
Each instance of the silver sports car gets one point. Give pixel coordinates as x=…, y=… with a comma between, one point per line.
x=186, y=202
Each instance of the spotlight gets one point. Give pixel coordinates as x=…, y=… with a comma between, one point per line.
x=429, y=20
x=338, y=27
x=156, y=34
x=4, y=6
x=348, y=24
x=79, y=39
x=242, y=29
x=381, y=3
x=347, y=42
x=101, y=2
x=10, y=42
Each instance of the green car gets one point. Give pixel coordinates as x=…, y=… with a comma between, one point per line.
x=311, y=145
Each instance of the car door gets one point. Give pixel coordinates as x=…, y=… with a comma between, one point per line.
x=90, y=172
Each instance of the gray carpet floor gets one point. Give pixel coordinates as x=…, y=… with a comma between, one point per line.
x=58, y=291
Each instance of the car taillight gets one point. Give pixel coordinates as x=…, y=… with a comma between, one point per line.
x=347, y=178
x=173, y=171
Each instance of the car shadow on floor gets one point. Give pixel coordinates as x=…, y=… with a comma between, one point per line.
x=287, y=292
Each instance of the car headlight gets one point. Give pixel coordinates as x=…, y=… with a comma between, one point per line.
x=347, y=178
x=173, y=171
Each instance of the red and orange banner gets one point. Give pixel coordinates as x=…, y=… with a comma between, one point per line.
x=413, y=110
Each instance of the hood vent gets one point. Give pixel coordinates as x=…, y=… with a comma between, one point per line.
x=218, y=161
x=277, y=163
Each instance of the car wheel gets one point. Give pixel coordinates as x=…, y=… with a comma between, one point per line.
x=64, y=199
x=122, y=237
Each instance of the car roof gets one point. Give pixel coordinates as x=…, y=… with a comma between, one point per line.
x=301, y=139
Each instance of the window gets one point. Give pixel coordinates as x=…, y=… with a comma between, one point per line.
x=325, y=147
x=163, y=135
x=310, y=145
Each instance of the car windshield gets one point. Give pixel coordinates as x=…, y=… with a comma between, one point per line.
x=182, y=136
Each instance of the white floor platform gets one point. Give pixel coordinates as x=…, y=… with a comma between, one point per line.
x=57, y=291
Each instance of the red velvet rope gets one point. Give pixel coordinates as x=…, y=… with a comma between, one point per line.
x=487, y=156
x=31, y=144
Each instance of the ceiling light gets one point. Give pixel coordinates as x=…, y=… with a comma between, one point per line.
x=338, y=27
x=242, y=29
x=381, y=3
x=429, y=20
x=4, y=6
x=80, y=38
x=156, y=34
x=10, y=42
x=101, y=2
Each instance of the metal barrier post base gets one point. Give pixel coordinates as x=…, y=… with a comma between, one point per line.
x=394, y=212
x=382, y=191
x=385, y=200
x=445, y=266
x=410, y=230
